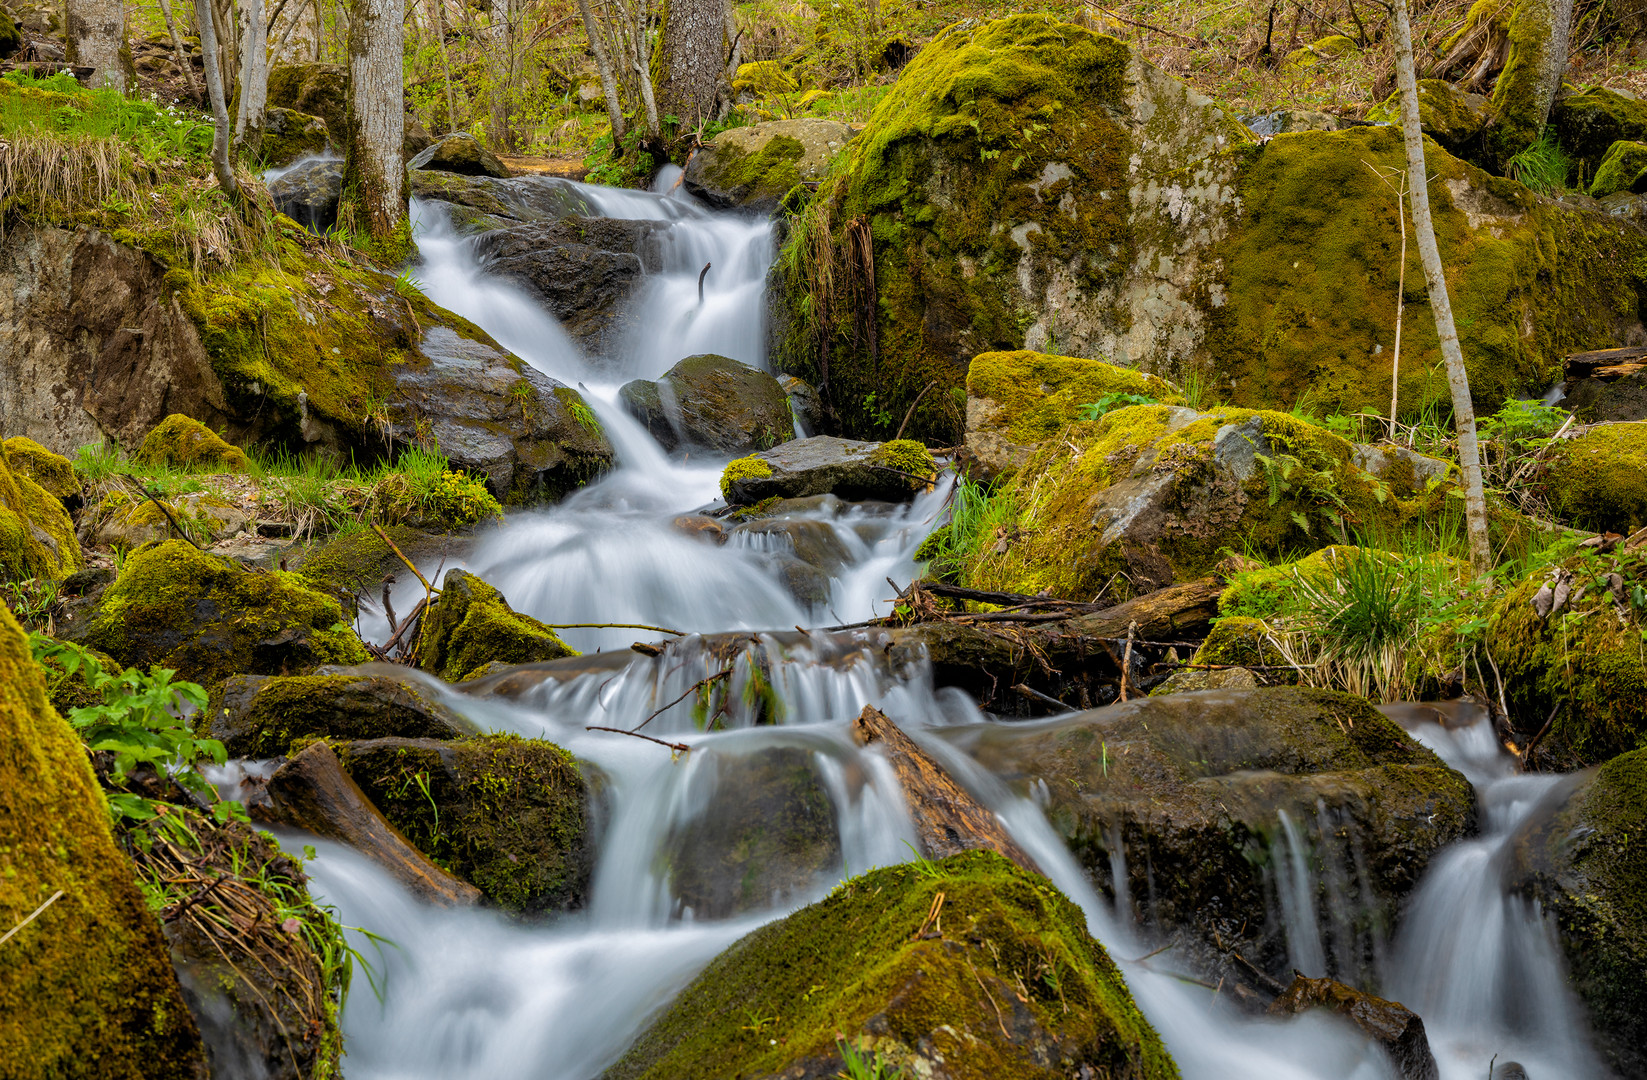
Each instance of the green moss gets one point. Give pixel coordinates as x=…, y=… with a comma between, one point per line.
x=1239, y=640
x=86, y=989
x=1264, y=592
x=1522, y=95
x=1599, y=480
x=763, y=78
x=208, y=617
x=856, y=964
x=25, y=457
x=504, y=813
x=1447, y=114
x=37, y=538
x=905, y=455
x=265, y=717
x=1038, y=393
x=1328, y=48
x=185, y=443
x=770, y=172
x=355, y=561
x=1623, y=169
x=1588, y=123
x=471, y=625
x=743, y=468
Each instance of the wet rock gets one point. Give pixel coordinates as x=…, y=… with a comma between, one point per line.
x=701, y=525
x=824, y=464
x=470, y=624
x=712, y=402
x=309, y=193
x=289, y=135
x=809, y=585
x=1580, y=857
x=815, y=543
x=482, y=203
x=804, y=404
x=926, y=987
x=1175, y=805
x=1284, y=121
x=506, y=814
x=1597, y=400
x=259, y=716
x=1182, y=682
x=460, y=153
x=1391, y=1025
x=755, y=166
x=86, y=988
x=1509, y=1070
x=208, y=618
x=765, y=834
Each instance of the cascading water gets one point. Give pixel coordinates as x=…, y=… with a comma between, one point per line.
x=470, y=994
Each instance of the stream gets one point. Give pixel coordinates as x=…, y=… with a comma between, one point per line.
x=471, y=994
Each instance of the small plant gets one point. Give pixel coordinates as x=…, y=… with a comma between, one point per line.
x=1108, y=403
x=1542, y=166
x=408, y=286
x=864, y=1064
x=876, y=410
x=33, y=601
x=586, y=418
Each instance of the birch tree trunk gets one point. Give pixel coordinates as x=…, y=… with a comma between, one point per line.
x=693, y=55
x=179, y=57
x=374, y=172
x=603, y=64
x=214, y=93
x=1458, y=381
x=254, y=75
x=96, y=34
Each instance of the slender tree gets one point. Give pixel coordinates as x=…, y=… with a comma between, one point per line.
x=374, y=172
x=179, y=57
x=254, y=75
x=603, y=64
x=96, y=33
x=214, y=93
x=693, y=60
x=1458, y=380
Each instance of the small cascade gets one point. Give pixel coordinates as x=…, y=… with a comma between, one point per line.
x=1297, y=887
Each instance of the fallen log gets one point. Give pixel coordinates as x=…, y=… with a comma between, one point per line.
x=947, y=820
x=312, y=792
x=1600, y=362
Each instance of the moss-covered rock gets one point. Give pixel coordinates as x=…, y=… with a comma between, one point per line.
x=126, y=521
x=185, y=443
x=1588, y=123
x=1324, y=51
x=1599, y=479
x=289, y=135
x=1454, y=118
x=713, y=402
x=11, y=38
x=259, y=716
x=506, y=814
x=1017, y=400
x=757, y=165
x=824, y=465
x=37, y=537
x=1239, y=640
x=317, y=89
x=1191, y=789
x=460, y=152
x=471, y=625
x=54, y=472
x=1623, y=169
x=86, y=989
x=1585, y=863
x=208, y=617
x=869, y=966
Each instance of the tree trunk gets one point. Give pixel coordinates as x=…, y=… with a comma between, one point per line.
x=1458, y=380
x=639, y=54
x=374, y=172
x=603, y=64
x=96, y=34
x=179, y=57
x=214, y=94
x=228, y=58
x=1539, y=32
x=693, y=59
x=254, y=76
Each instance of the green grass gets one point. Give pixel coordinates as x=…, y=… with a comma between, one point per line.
x=976, y=514
x=1543, y=166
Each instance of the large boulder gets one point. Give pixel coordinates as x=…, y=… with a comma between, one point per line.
x=87, y=987
x=1623, y=169
x=825, y=465
x=309, y=193
x=1179, y=805
x=483, y=203
x=1599, y=479
x=1589, y=122
x=461, y=153
x=37, y=537
x=1004, y=981
x=289, y=135
x=471, y=625
x=260, y=716
x=756, y=166
x=1030, y=184
x=54, y=472
x=316, y=89
x=1581, y=858
x=713, y=403
x=506, y=814
x=207, y=618
x=182, y=442
x=1454, y=118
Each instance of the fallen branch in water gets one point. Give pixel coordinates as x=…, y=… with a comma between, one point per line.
x=384, y=536
x=613, y=626
x=676, y=746
x=724, y=673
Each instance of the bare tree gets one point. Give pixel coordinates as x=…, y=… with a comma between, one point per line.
x=374, y=172
x=96, y=33
x=214, y=93
x=635, y=42
x=693, y=55
x=179, y=57
x=1458, y=380
x=603, y=64
x=254, y=75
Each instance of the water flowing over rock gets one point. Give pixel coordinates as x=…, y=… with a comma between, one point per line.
x=714, y=403
x=1393, y=1026
x=821, y=465
x=483, y=203
x=308, y=193
x=289, y=135
x=471, y=625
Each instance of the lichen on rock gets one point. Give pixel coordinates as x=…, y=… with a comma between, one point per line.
x=37, y=538
x=54, y=472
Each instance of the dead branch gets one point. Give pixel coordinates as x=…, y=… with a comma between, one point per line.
x=676, y=746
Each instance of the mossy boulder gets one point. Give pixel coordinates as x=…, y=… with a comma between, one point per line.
x=1599, y=479
x=1454, y=118
x=86, y=989
x=1588, y=123
x=128, y=521
x=308, y=193
x=1623, y=169
x=1239, y=640
x=482, y=203
x=1156, y=493
x=471, y=625
x=460, y=152
x=712, y=402
x=356, y=562
x=259, y=716
x=1188, y=791
x=757, y=165
x=506, y=814
x=37, y=537
x=208, y=618
x=1326, y=50
x=316, y=89
x=823, y=464
x=185, y=443
x=54, y=472
x=11, y=38
x=1017, y=400
x=1009, y=983
x=1582, y=860
x=289, y=135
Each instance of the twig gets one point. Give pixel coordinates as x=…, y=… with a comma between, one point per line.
x=1126, y=658
x=401, y=630
x=613, y=626
x=998, y=1018
x=1031, y=692
x=164, y=509
x=700, y=684
x=1197, y=42
x=931, y=916
x=911, y=410
x=1536, y=739
x=32, y=915
x=701, y=274
x=681, y=747
x=428, y=588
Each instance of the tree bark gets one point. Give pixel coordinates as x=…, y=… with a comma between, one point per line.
x=374, y=172
x=603, y=64
x=254, y=76
x=1539, y=32
x=1458, y=380
x=693, y=58
x=96, y=34
x=179, y=57
x=214, y=94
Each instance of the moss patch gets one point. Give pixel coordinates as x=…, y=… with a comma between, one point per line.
x=1012, y=953
x=1588, y=123
x=905, y=455
x=1035, y=394
x=743, y=468
x=471, y=625
x=25, y=457
x=185, y=443
x=1623, y=169
x=259, y=716
x=37, y=537
x=1599, y=480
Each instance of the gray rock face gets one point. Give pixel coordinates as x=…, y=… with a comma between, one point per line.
x=482, y=203
x=461, y=153
x=755, y=166
x=803, y=401
x=583, y=270
x=713, y=402
x=309, y=194
x=820, y=465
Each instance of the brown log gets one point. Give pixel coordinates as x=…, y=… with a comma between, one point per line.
x=1396, y=1028
x=1586, y=364
x=947, y=820
x=312, y=792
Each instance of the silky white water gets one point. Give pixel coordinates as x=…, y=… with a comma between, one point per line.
x=469, y=994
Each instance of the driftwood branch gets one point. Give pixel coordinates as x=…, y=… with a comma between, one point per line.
x=677, y=746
